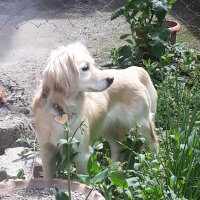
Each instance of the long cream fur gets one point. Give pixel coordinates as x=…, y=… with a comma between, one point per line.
x=84, y=92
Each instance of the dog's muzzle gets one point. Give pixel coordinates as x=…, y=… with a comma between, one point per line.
x=109, y=80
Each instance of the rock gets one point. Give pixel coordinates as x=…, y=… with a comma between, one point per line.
x=12, y=162
x=10, y=128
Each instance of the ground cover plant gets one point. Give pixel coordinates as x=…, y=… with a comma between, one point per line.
x=149, y=35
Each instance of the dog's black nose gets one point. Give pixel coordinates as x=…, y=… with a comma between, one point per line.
x=110, y=80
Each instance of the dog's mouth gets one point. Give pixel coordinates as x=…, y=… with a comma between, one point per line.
x=89, y=89
x=103, y=85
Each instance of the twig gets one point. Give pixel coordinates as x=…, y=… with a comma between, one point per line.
x=34, y=157
x=89, y=193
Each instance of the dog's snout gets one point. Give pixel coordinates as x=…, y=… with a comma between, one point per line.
x=110, y=80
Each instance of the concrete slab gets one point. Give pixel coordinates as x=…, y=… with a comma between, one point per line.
x=13, y=161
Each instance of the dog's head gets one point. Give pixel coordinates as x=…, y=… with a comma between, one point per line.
x=72, y=69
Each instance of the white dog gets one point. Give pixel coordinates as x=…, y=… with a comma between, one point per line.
x=110, y=102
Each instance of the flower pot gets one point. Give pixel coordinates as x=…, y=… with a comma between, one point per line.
x=18, y=187
x=171, y=25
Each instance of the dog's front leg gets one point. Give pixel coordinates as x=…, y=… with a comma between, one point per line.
x=82, y=151
x=81, y=161
x=116, y=149
x=48, y=154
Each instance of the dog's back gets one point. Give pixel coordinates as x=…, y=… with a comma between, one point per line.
x=130, y=100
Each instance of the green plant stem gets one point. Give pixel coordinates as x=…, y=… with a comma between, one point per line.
x=68, y=170
x=129, y=158
x=68, y=166
x=76, y=131
x=151, y=18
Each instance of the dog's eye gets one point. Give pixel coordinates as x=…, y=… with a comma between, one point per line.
x=86, y=67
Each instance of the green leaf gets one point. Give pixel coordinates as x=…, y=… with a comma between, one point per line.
x=25, y=151
x=173, y=180
x=118, y=12
x=119, y=179
x=141, y=157
x=127, y=62
x=124, y=36
x=20, y=174
x=160, y=8
x=60, y=195
x=125, y=51
x=159, y=38
x=92, y=166
x=68, y=141
x=108, y=192
x=108, y=64
x=83, y=178
x=62, y=142
x=25, y=139
x=98, y=146
x=99, y=177
x=133, y=181
x=137, y=166
x=129, y=41
x=129, y=194
x=73, y=140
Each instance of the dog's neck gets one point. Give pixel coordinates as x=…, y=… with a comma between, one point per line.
x=75, y=109
x=75, y=104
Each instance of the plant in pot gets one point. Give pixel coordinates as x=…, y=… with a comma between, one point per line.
x=150, y=32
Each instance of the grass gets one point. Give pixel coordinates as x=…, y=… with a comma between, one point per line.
x=179, y=118
x=188, y=37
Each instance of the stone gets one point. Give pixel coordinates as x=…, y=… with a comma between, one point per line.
x=10, y=128
x=13, y=161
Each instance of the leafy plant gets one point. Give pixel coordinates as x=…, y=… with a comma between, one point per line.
x=149, y=35
x=66, y=145
x=20, y=174
x=32, y=144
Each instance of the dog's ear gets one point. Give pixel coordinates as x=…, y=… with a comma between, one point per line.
x=60, y=72
x=40, y=97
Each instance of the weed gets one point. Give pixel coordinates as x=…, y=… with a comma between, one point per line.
x=32, y=144
x=20, y=174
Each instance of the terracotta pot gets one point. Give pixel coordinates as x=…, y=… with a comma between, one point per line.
x=7, y=188
x=172, y=26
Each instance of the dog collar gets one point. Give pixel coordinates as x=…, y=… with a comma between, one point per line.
x=62, y=118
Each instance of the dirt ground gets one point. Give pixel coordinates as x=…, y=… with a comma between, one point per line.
x=30, y=29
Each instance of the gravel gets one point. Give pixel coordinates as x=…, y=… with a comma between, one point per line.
x=38, y=194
